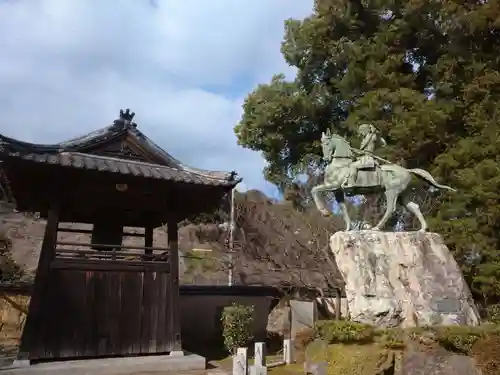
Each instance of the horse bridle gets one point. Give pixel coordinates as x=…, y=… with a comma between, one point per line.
x=339, y=157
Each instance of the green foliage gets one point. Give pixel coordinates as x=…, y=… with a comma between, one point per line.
x=353, y=339
x=237, y=325
x=459, y=339
x=391, y=338
x=493, y=313
x=426, y=73
x=342, y=331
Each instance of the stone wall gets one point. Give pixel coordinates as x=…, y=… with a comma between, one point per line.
x=13, y=311
x=330, y=304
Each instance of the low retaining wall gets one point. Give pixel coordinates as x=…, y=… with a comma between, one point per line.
x=13, y=311
x=201, y=308
x=14, y=303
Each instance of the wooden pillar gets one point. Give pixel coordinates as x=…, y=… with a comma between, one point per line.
x=173, y=247
x=148, y=240
x=34, y=320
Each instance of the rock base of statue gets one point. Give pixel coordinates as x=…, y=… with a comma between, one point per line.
x=402, y=279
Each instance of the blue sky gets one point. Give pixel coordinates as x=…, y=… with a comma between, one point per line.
x=184, y=67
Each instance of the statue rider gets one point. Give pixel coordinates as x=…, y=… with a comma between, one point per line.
x=371, y=139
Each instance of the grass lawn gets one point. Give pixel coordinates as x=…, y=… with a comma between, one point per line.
x=351, y=359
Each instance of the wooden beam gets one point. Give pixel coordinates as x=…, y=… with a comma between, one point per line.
x=110, y=265
x=138, y=217
x=148, y=240
x=64, y=243
x=34, y=320
x=129, y=219
x=89, y=231
x=173, y=244
x=108, y=254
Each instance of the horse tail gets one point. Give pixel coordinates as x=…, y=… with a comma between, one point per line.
x=427, y=177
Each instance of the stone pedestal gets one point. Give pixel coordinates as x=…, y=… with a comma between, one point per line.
x=402, y=279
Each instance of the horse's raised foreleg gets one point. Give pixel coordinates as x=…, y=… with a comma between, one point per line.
x=340, y=198
x=391, y=196
x=317, y=193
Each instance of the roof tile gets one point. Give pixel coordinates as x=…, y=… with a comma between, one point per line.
x=69, y=154
x=121, y=166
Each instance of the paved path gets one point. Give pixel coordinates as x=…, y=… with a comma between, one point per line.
x=8, y=354
x=214, y=371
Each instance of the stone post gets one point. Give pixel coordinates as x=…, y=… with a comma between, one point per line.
x=239, y=367
x=243, y=352
x=260, y=354
x=287, y=351
x=259, y=367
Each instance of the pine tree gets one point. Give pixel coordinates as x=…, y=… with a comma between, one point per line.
x=424, y=72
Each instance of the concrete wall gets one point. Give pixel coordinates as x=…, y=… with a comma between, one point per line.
x=201, y=314
x=304, y=315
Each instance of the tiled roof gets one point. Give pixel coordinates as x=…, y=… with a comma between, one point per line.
x=122, y=166
x=73, y=153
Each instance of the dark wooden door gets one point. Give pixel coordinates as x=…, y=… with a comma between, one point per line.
x=100, y=313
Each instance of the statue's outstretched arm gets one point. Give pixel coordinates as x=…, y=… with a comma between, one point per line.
x=383, y=142
x=365, y=142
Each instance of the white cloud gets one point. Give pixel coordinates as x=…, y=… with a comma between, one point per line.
x=184, y=66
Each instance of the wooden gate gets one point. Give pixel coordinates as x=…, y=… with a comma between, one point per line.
x=102, y=304
x=102, y=313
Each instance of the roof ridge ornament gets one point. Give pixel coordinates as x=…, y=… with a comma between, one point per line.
x=125, y=119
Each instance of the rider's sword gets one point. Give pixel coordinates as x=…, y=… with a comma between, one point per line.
x=372, y=155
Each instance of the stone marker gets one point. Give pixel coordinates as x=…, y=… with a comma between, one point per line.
x=244, y=353
x=260, y=354
x=239, y=365
x=287, y=351
x=303, y=315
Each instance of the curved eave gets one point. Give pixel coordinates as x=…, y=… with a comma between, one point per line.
x=8, y=144
x=80, y=144
x=104, y=164
x=75, y=144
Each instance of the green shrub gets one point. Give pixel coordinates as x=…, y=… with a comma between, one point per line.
x=493, y=313
x=237, y=324
x=339, y=331
x=391, y=338
x=459, y=339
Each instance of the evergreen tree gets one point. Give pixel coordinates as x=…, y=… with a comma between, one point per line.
x=427, y=74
